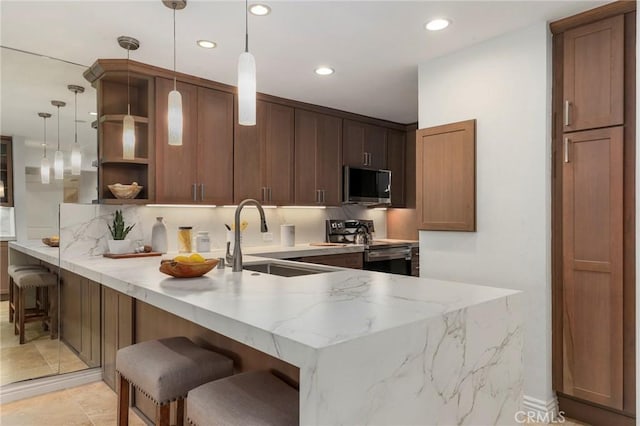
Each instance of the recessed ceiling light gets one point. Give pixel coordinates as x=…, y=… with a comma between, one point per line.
x=259, y=9
x=437, y=24
x=93, y=113
x=207, y=44
x=324, y=71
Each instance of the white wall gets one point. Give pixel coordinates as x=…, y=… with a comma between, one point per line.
x=637, y=217
x=505, y=84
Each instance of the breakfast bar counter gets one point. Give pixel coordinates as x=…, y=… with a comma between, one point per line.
x=371, y=348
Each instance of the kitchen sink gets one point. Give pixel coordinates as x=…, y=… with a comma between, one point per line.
x=285, y=270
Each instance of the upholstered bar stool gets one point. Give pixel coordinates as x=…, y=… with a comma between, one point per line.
x=255, y=398
x=38, y=280
x=13, y=269
x=165, y=370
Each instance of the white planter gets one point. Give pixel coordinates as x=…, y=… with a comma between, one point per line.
x=120, y=246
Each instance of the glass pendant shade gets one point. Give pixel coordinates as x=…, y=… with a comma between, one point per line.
x=76, y=160
x=246, y=89
x=175, y=118
x=1, y=189
x=44, y=170
x=58, y=165
x=128, y=138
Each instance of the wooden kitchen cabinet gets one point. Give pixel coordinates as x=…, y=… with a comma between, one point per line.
x=446, y=177
x=264, y=156
x=201, y=169
x=6, y=172
x=4, y=273
x=318, y=159
x=117, y=330
x=347, y=260
x=396, y=162
x=364, y=145
x=594, y=75
x=80, y=316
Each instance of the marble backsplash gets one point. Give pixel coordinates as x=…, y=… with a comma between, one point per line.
x=84, y=232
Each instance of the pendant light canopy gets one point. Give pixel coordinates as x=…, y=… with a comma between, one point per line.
x=76, y=153
x=246, y=79
x=58, y=158
x=128, y=125
x=174, y=115
x=44, y=163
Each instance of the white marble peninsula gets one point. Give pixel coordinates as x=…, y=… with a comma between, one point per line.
x=372, y=348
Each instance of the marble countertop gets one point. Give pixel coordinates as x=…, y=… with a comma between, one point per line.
x=283, y=316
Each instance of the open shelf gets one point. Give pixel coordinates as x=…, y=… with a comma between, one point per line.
x=110, y=160
x=119, y=117
x=117, y=201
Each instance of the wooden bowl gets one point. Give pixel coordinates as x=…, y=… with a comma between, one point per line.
x=51, y=242
x=125, y=192
x=187, y=269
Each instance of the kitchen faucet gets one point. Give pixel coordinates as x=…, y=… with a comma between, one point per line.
x=237, y=252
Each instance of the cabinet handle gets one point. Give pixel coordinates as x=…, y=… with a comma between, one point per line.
x=202, y=192
x=566, y=150
x=263, y=196
x=567, y=106
x=323, y=196
x=364, y=158
x=317, y=196
x=270, y=195
x=195, y=192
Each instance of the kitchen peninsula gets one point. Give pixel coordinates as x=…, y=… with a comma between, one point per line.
x=371, y=348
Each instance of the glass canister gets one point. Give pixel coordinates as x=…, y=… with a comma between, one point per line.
x=184, y=239
x=203, y=243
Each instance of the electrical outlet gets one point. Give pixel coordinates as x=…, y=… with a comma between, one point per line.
x=267, y=236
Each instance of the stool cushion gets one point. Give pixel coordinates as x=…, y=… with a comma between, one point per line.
x=255, y=398
x=166, y=369
x=34, y=278
x=17, y=268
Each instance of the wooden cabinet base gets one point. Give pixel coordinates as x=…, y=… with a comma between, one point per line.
x=592, y=414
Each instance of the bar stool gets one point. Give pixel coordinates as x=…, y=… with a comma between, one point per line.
x=12, y=271
x=165, y=370
x=255, y=398
x=39, y=280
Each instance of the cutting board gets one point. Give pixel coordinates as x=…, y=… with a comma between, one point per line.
x=131, y=255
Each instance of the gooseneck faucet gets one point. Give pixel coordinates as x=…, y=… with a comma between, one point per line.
x=237, y=252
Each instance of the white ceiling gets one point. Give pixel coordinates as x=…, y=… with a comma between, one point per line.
x=375, y=47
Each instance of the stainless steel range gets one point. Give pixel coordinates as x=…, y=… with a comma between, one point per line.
x=395, y=257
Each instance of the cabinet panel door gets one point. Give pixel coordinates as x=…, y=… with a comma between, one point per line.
x=215, y=147
x=353, y=144
x=396, y=153
x=71, y=310
x=4, y=268
x=248, y=151
x=375, y=144
x=176, y=165
x=278, y=162
x=592, y=272
x=594, y=75
x=117, y=330
x=445, y=177
x=90, y=323
x=306, y=161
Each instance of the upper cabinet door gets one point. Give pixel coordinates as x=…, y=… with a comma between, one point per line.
x=594, y=75
x=215, y=147
x=396, y=153
x=249, y=149
x=6, y=171
x=364, y=145
x=278, y=163
x=318, y=159
x=176, y=180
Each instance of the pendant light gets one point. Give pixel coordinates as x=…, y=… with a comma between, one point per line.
x=174, y=115
x=1, y=189
x=128, y=125
x=44, y=163
x=246, y=79
x=58, y=158
x=76, y=153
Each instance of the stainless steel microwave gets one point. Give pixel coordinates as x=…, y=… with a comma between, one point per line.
x=366, y=186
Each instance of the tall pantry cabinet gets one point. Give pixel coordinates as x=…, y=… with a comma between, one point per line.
x=593, y=214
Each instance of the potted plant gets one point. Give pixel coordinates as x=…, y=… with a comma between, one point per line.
x=119, y=231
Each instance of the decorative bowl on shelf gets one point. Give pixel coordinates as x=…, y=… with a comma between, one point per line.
x=125, y=192
x=187, y=269
x=52, y=241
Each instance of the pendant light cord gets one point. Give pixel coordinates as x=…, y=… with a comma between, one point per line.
x=128, y=85
x=58, y=127
x=174, y=46
x=246, y=25
x=44, y=145
x=75, y=116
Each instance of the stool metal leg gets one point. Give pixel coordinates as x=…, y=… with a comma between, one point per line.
x=163, y=414
x=123, y=401
x=180, y=412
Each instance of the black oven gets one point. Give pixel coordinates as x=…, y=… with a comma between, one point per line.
x=393, y=259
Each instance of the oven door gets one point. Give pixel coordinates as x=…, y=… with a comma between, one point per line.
x=392, y=260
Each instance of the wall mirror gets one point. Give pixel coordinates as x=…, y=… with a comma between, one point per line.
x=29, y=83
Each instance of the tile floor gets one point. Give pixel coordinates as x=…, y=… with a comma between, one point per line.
x=39, y=356
x=92, y=404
